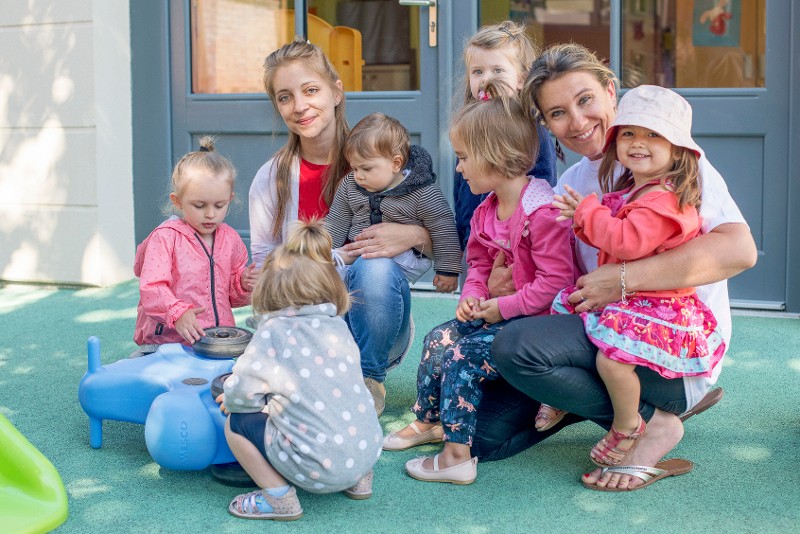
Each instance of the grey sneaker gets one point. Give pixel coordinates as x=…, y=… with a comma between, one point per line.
x=378, y=392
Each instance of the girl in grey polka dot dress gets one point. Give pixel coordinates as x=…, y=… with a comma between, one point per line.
x=300, y=414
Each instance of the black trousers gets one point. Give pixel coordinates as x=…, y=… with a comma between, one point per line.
x=549, y=359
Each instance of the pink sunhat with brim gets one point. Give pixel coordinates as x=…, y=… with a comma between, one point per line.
x=659, y=109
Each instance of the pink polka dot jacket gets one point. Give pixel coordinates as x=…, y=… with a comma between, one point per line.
x=178, y=272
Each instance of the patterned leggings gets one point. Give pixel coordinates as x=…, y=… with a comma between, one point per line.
x=456, y=359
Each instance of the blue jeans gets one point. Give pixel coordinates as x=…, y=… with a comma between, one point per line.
x=380, y=315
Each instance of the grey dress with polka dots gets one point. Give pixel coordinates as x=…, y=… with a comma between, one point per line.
x=303, y=369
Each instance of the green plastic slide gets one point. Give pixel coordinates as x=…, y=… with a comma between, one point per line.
x=32, y=495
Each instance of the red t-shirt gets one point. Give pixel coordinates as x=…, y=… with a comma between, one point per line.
x=311, y=204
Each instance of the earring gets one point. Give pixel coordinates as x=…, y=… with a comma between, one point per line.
x=560, y=152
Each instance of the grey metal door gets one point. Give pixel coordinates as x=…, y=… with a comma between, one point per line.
x=742, y=130
x=744, y=134
x=249, y=132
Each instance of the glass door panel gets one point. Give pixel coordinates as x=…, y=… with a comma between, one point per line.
x=707, y=43
x=230, y=40
x=373, y=44
x=556, y=21
x=384, y=36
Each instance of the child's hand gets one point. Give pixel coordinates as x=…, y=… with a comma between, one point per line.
x=345, y=256
x=249, y=278
x=489, y=311
x=567, y=203
x=445, y=284
x=466, y=309
x=221, y=401
x=188, y=326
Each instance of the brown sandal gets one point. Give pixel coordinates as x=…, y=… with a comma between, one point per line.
x=549, y=415
x=606, y=453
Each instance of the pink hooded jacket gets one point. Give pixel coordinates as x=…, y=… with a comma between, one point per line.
x=177, y=272
x=541, y=253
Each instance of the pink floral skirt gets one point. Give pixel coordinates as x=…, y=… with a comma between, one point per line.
x=675, y=337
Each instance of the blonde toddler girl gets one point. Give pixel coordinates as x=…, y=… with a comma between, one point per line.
x=192, y=269
x=300, y=412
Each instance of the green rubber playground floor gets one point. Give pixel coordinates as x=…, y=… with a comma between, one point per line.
x=746, y=449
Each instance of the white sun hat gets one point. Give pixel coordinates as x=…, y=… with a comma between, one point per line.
x=659, y=109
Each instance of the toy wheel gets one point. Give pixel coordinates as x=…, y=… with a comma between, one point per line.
x=232, y=474
x=216, y=385
x=223, y=342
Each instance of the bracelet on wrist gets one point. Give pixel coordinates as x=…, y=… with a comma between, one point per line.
x=623, y=287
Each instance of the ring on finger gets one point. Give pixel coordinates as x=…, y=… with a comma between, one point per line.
x=580, y=293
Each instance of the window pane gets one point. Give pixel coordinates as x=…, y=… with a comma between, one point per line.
x=722, y=48
x=373, y=44
x=231, y=39
x=388, y=58
x=705, y=43
x=556, y=21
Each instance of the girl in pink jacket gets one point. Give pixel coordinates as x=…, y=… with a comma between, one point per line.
x=496, y=143
x=192, y=270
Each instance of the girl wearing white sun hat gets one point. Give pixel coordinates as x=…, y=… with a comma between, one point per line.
x=648, y=209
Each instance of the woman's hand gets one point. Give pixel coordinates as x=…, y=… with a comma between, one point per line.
x=489, y=311
x=501, y=279
x=597, y=289
x=387, y=240
x=187, y=325
x=465, y=311
x=567, y=203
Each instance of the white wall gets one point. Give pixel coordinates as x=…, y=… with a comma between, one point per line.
x=66, y=195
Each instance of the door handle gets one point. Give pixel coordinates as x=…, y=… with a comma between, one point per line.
x=433, y=29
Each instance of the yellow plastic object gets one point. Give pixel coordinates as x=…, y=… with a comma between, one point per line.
x=345, y=54
x=341, y=44
x=32, y=495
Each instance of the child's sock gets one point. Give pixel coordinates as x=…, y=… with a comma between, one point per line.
x=262, y=504
x=280, y=491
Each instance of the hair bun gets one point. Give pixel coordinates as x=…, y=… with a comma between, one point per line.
x=310, y=239
x=207, y=143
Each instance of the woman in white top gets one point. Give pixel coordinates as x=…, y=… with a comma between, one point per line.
x=550, y=359
x=299, y=182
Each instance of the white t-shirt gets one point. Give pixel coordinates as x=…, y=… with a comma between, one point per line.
x=718, y=207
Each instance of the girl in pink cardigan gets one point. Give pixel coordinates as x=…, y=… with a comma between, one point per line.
x=496, y=143
x=192, y=270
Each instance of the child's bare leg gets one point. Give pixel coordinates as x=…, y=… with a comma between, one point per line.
x=252, y=460
x=624, y=389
